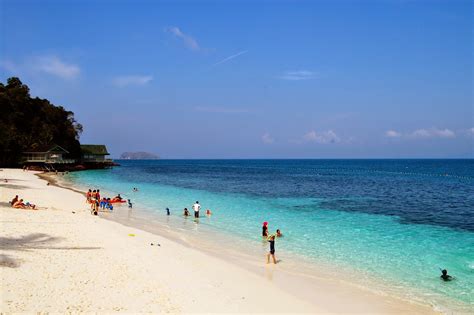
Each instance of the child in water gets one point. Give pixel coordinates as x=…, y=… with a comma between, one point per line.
x=186, y=212
x=271, y=240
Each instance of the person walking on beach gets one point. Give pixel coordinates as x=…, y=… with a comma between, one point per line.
x=271, y=240
x=196, y=208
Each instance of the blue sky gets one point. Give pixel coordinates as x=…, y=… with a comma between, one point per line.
x=252, y=79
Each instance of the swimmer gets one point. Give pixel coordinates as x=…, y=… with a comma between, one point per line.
x=186, y=212
x=445, y=276
x=271, y=240
x=208, y=212
x=265, y=229
x=278, y=233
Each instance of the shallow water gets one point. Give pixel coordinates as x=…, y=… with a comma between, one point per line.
x=396, y=220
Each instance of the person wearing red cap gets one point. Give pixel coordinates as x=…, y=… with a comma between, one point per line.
x=265, y=229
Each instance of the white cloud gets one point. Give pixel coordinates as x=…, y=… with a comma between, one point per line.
x=55, y=66
x=393, y=134
x=322, y=137
x=470, y=132
x=225, y=110
x=297, y=75
x=188, y=41
x=231, y=57
x=126, y=80
x=432, y=133
x=267, y=138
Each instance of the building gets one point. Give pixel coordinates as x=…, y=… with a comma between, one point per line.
x=94, y=153
x=52, y=154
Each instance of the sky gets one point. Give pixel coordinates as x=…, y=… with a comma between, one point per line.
x=252, y=79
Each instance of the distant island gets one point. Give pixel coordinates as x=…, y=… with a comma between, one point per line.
x=138, y=156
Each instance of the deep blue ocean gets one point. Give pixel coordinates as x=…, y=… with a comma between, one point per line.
x=398, y=220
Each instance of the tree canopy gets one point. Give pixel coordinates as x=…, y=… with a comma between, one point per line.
x=28, y=123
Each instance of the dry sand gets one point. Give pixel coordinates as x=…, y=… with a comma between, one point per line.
x=54, y=260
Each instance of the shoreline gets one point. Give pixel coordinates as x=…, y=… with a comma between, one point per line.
x=325, y=297
x=299, y=270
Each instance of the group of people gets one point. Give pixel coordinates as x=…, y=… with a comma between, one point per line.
x=196, y=207
x=94, y=199
x=271, y=239
x=18, y=203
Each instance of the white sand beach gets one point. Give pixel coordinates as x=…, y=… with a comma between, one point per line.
x=60, y=258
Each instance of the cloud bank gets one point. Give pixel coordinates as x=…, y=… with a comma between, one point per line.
x=422, y=134
x=323, y=137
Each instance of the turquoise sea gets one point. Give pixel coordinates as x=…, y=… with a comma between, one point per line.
x=396, y=221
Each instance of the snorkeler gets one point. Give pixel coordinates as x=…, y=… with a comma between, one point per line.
x=445, y=276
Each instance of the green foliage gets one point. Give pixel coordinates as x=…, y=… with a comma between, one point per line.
x=27, y=123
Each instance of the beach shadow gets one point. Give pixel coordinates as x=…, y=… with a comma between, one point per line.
x=7, y=261
x=29, y=242
x=5, y=204
x=13, y=186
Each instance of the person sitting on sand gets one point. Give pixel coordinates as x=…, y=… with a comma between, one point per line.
x=271, y=240
x=445, y=276
x=20, y=205
x=14, y=200
x=265, y=229
x=278, y=233
x=186, y=212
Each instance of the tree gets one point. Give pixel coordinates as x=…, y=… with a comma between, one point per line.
x=27, y=123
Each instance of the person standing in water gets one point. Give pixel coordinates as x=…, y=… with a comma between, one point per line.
x=265, y=229
x=196, y=208
x=271, y=240
x=168, y=211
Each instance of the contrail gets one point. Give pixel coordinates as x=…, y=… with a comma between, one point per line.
x=230, y=57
